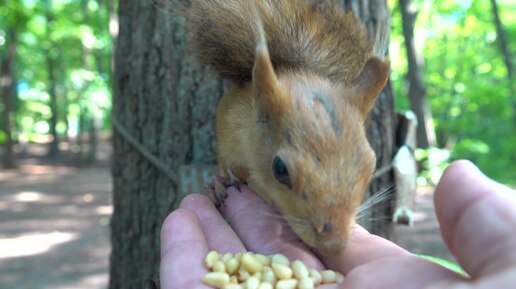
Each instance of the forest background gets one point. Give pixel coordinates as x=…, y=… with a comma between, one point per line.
x=56, y=59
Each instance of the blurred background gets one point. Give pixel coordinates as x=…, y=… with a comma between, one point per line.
x=452, y=64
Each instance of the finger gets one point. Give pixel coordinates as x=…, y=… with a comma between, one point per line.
x=262, y=229
x=219, y=234
x=183, y=248
x=363, y=248
x=477, y=217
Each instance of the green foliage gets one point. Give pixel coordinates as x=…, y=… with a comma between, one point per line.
x=445, y=263
x=74, y=36
x=469, y=93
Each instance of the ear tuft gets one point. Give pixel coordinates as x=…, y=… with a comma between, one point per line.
x=370, y=82
x=265, y=83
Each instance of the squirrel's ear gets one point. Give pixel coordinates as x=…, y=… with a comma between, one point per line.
x=265, y=84
x=370, y=82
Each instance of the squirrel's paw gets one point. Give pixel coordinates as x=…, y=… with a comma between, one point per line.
x=216, y=191
x=403, y=216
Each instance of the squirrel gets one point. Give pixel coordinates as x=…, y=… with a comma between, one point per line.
x=302, y=79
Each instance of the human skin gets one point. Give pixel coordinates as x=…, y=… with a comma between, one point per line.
x=477, y=217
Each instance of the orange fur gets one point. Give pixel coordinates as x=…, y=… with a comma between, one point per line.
x=303, y=96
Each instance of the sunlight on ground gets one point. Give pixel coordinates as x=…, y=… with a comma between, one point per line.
x=9, y=200
x=32, y=244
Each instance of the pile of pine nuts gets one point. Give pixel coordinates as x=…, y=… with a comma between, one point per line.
x=247, y=270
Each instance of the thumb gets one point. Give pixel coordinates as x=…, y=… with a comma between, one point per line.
x=477, y=218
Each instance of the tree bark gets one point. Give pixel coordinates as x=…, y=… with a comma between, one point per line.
x=502, y=40
x=163, y=116
x=53, y=149
x=382, y=121
x=417, y=90
x=8, y=93
x=164, y=106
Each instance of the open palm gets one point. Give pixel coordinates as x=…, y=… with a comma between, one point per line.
x=477, y=218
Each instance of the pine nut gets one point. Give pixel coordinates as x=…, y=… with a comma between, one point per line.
x=252, y=283
x=227, y=257
x=250, y=263
x=328, y=276
x=216, y=279
x=339, y=278
x=243, y=275
x=306, y=283
x=268, y=276
x=300, y=270
x=219, y=266
x=232, y=286
x=266, y=286
x=316, y=276
x=280, y=259
x=232, y=266
x=282, y=271
x=287, y=284
x=210, y=259
x=265, y=260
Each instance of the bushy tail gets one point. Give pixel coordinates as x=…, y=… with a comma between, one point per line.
x=301, y=34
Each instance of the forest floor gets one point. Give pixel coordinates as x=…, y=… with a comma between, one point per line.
x=54, y=229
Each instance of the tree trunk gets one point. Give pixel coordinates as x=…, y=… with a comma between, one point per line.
x=163, y=116
x=417, y=90
x=382, y=120
x=53, y=149
x=8, y=93
x=502, y=40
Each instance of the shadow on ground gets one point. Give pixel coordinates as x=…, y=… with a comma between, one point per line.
x=54, y=230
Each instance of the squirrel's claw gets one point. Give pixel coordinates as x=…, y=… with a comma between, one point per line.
x=216, y=191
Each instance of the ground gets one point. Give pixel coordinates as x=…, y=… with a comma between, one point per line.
x=54, y=230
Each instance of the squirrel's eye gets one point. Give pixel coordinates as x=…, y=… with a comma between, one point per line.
x=280, y=171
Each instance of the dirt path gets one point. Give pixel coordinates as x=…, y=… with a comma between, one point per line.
x=54, y=227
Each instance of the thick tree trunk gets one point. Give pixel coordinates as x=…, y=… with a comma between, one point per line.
x=417, y=90
x=382, y=120
x=8, y=93
x=163, y=116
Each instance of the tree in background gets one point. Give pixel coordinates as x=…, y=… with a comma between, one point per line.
x=163, y=116
x=468, y=88
x=417, y=90
x=8, y=92
x=56, y=86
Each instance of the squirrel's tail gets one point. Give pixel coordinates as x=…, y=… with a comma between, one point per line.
x=301, y=34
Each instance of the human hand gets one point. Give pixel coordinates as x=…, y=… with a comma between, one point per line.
x=477, y=218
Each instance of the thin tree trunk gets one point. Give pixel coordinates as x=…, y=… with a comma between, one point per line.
x=8, y=92
x=417, y=90
x=502, y=40
x=504, y=49
x=53, y=149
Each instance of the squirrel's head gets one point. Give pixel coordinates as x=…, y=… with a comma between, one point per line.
x=316, y=161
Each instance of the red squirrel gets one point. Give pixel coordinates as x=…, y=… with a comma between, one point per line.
x=302, y=79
